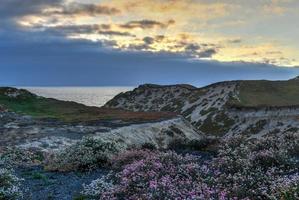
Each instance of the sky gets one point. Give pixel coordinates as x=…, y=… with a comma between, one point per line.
x=131, y=42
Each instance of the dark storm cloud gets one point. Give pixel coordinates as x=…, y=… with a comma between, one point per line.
x=146, y=24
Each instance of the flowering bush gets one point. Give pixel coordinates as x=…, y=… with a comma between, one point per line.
x=84, y=155
x=256, y=168
x=154, y=175
x=243, y=169
x=9, y=183
x=288, y=187
x=98, y=186
x=21, y=157
x=128, y=157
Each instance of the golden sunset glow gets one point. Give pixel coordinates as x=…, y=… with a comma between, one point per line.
x=249, y=31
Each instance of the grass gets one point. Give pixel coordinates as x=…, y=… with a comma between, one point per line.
x=39, y=176
x=291, y=194
x=80, y=197
x=268, y=93
x=40, y=107
x=36, y=175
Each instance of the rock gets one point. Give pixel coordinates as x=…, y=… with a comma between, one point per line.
x=11, y=125
x=52, y=143
x=2, y=109
x=160, y=134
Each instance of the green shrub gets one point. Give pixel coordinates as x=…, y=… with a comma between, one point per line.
x=85, y=155
x=80, y=197
x=21, y=157
x=9, y=183
x=148, y=146
x=192, y=145
x=291, y=194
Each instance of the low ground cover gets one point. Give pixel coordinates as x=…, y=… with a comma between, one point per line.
x=255, y=169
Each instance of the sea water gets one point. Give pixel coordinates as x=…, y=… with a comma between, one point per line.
x=90, y=96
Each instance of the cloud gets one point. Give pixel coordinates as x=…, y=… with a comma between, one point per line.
x=235, y=41
x=158, y=26
x=87, y=29
x=146, y=24
x=85, y=9
x=274, y=52
x=192, y=47
x=79, y=29
x=45, y=54
x=16, y=8
x=183, y=9
x=207, y=53
x=273, y=8
x=149, y=40
x=116, y=33
x=49, y=11
x=140, y=47
x=177, y=46
x=82, y=63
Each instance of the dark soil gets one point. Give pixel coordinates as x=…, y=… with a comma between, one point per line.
x=42, y=185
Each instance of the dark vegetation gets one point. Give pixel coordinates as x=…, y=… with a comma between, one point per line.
x=217, y=124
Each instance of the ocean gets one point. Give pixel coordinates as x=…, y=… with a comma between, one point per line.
x=90, y=96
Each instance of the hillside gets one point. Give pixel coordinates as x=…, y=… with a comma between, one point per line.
x=44, y=123
x=232, y=107
x=23, y=102
x=268, y=93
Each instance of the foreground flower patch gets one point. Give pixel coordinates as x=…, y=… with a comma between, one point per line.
x=87, y=154
x=243, y=169
x=9, y=183
x=157, y=175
